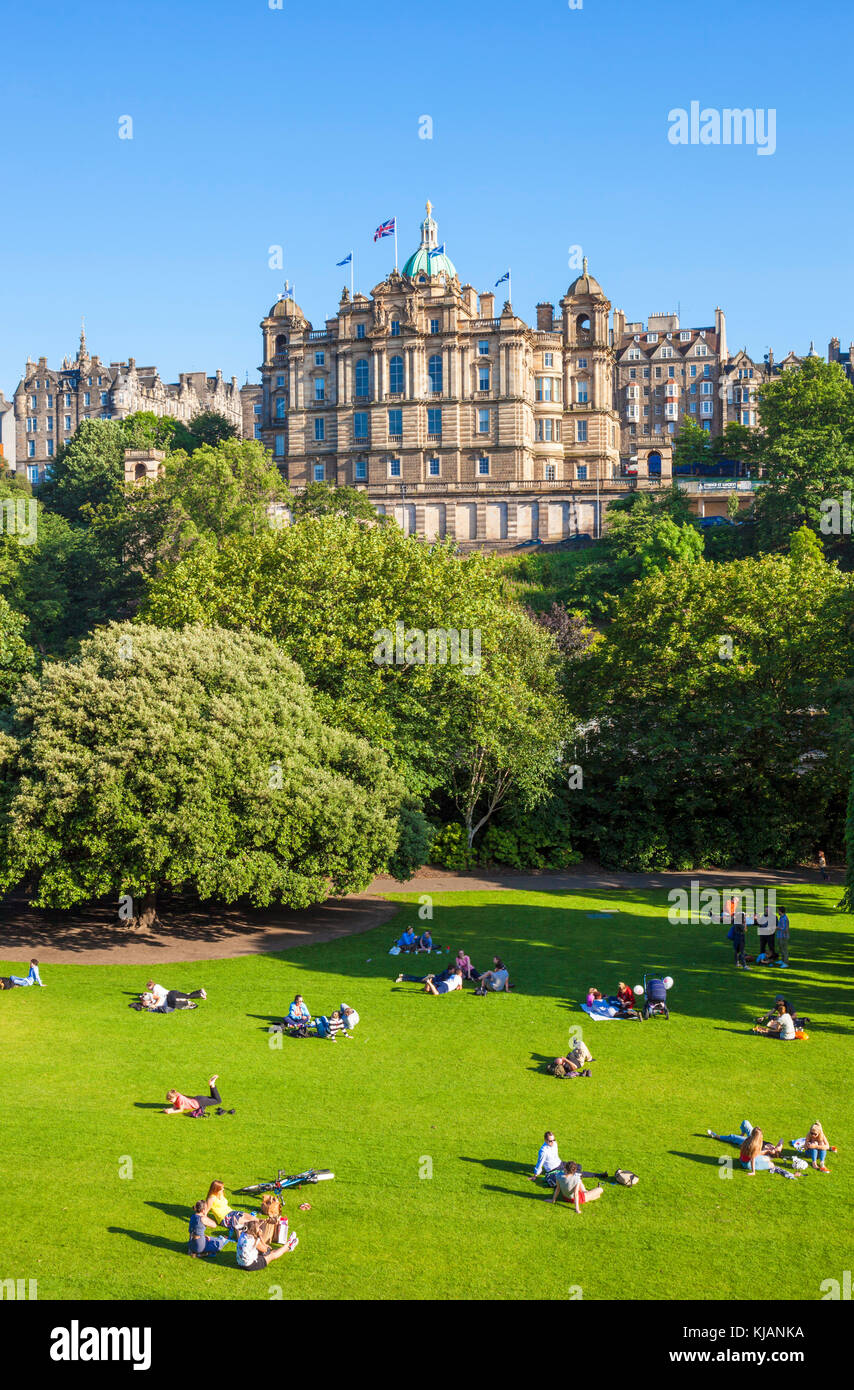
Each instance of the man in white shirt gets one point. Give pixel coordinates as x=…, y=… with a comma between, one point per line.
x=454, y=981
x=548, y=1160
x=349, y=1017
x=172, y=998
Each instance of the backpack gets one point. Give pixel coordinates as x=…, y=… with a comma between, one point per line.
x=481, y=989
x=625, y=1179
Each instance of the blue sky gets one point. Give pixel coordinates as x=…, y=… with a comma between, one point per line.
x=299, y=127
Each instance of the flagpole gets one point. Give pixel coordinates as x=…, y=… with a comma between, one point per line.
x=352, y=257
x=509, y=288
x=395, y=243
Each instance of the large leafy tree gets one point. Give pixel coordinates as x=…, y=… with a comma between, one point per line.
x=354, y=604
x=715, y=730
x=194, y=759
x=208, y=427
x=806, y=448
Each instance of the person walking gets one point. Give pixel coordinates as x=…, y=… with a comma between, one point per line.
x=782, y=940
x=822, y=866
x=738, y=939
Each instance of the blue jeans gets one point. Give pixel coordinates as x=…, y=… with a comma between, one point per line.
x=817, y=1154
x=213, y=1245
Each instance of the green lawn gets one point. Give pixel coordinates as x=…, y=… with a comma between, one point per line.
x=458, y=1081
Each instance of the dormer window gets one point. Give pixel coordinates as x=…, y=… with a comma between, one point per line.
x=395, y=328
x=652, y=337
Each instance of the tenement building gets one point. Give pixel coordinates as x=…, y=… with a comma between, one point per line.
x=461, y=421
x=50, y=403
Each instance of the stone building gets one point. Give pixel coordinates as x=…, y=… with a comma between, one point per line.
x=7, y=432
x=666, y=374
x=461, y=421
x=50, y=403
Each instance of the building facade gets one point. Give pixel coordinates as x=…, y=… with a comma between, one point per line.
x=461, y=421
x=50, y=403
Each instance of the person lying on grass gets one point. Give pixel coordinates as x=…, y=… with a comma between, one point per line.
x=782, y=1026
x=253, y=1252
x=453, y=982
x=570, y=1188
x=331, y=1026
x=817, y=1147
x=498, y=978
x=349, y=1017
x=172, y=998
x=439, y=979
x=755, y=1151
x=196, y=1106
x=298, y=1017
x=573, y=1064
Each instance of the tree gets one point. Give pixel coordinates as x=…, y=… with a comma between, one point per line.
x=90, y=468
x=806, y=447
x=16, y=657
x=356, y=605
x=320, y=499
x=188, y=760
x=692, y=447
x=208, y=427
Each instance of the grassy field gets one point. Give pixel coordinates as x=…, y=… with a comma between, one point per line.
x=455, y=1086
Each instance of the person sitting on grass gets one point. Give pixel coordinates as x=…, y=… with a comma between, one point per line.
x=298, y=1017
x=548, y=1160
x=425, y=941
x=201, y=1244
x=196, y=1106
x=408, y=941
x=625, y=994
x=781, y=1026
x=464, y=965
x=218, y=1209
x=253, y=1252
x=570, y=1188
x=817, y=1147
x=349, y=1018
x=329, y=1026
x=498, y=978
x=771, y=1017
x=594, y=996
x=453, y=982
x=31, y=978
x=755, y=1151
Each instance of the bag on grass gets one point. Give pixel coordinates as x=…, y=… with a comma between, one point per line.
x=394, y=951
x=481, y=989
x=801, y=1035
x=625, y=1178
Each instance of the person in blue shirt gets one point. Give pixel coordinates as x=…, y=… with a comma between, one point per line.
x=425, y=941
x=200, y=1243
x=782, y=940
x=407, y=942
x=33, y=978
x=298, y=1016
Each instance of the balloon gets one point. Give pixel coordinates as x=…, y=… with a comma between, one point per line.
x=668, y=983
x=638, y=989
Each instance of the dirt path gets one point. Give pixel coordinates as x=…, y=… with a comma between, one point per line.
x=188, y=932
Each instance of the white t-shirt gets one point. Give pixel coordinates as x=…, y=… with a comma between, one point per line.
x=159, y=994
x=247, y=1249
x=351, y=1018
x=787, y=1027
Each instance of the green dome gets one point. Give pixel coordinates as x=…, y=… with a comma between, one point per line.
x=421, y=262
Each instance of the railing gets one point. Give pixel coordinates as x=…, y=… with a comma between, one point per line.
x=485, y=323
x=317, y=333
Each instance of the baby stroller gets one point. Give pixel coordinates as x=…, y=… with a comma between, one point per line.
x=656, y=996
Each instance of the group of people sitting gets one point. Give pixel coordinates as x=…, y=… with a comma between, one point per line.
x=156, y=999
x=757, y=1154
x=32, y=977
x=299, y=1022
x=781, y=1022
x=254, y=1234
x=565, y=1178
x=623, y=1001
x=409, y=941
x=454, y=976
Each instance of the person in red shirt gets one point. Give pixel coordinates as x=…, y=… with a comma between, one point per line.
x=625, y=996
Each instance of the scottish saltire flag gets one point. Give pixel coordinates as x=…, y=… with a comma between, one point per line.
x=347, y=259
x=437, y=250
x=384, y=229
x=505, y=276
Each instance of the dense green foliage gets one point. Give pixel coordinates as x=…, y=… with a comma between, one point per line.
x=458, y=1081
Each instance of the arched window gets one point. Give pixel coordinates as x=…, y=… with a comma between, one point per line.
x=363, y=377
x=395, y=376
x=582, y=325
x=281, y=342
x=434, y=371
x=653, y=462
x=139, y=472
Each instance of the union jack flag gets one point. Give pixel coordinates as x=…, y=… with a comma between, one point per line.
x=384, y=229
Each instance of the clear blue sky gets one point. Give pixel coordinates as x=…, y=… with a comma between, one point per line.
x=255, y=126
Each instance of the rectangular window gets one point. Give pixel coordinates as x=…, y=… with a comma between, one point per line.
x=319, y=430
x=581, y=434
x=483, y=422
x=319, y=473
x=34, y=402
x=707, y=370
x=581, y=394
x=707, y=424
x=581, y=472
x=31, y=448
x=483, y=467
x=361, y=469
x=692, y=406
x=50, y=401
x=104, y=398
x=548, y=359
x=280, y=445
x=433, y=467
x=33, y=473
x=671, y=372
x=646, y=373
x=434, y=421
x=395, y=328
x=395, y=423
x=360, y=424
x=320, y=359
x=550, y=473
x=745, y=420
x=257, y=408
x=693, y=371
x=707, y=407
x=707, y=388
x=50, y=424
x=360, y=330
x=394, y=468
x=280, y=409
x=320, y=389
x=434, y=325
x=86, y=400
x=280, y=381
x=482, y=348
x=581, y=363
x=50, y=444
x=67, y=422
x=67, y=398
x=483, y=379
x=257, y=430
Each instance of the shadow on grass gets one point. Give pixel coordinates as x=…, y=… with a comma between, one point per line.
x=171, y=1209
x=534, y=1195
x=147, y=1238
x=708, y=1159
x=500, y=1165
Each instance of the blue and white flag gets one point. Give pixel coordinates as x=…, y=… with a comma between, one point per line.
x=505, y=276
x=437, y=250
x=347, y=259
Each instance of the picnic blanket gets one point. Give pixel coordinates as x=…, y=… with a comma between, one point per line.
x=601, y=1011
